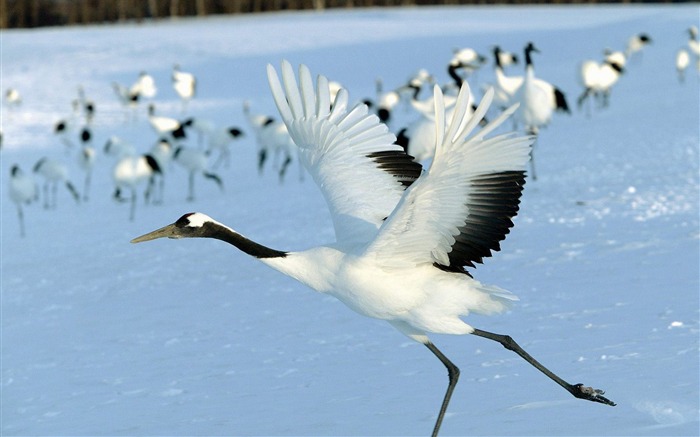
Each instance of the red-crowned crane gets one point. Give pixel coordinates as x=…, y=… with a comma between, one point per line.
x=404, y=237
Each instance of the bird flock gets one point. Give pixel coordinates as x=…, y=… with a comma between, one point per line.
x=138, y=171
x=200, y=148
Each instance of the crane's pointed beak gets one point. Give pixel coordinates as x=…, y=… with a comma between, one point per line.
x=169, y=231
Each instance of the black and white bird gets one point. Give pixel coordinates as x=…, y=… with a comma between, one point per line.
x=144, y=86
x=387, y=101
x=535, y=98
x=131, y=171
x=404, y=237
x=273, y=141
x=598, y=78
x=128, y=99
x=219, y=143
x=163, y=126
x=195, y=162
x=185, y=85
x=504, y=86
x=636, y=43
x=23, y=191
x=54, y=173
x=535, y=110
x=467, y=60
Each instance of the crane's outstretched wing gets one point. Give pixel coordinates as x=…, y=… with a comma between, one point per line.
x=350, y=154
x=460, y=210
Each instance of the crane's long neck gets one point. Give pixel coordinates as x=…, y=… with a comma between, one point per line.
x=223, y=233
x=497, y=59
x=528, y=57
x=452, y=71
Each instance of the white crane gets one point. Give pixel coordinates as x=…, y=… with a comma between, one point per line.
x=636, y=43
x=403, y=237
x=504, y=86
x=467, y=59
x=22, y=191
x=218, y=138
x=220, y=141
x=162, y=152
x=535, y=109
x=682, y=62
x=129, y=99
x=131, y=171
x=144, y=86
x=195, y=162
x=54, y=172
x=272, y=138
x=165, y=126
x=185, y=85
x=598, y=78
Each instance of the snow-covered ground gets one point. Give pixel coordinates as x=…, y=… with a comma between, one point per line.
x=101, y=337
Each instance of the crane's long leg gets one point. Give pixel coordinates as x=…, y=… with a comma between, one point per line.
x=20, y=213
x=578, y=390
x=532, y=156
x=453, y=374
x=190, y=195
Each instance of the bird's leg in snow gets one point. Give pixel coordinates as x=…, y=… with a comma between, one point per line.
x=132, y=210
x=21, y=220
x=532, y=158
x=577, y=390
x=283, y=168
x=453, y=374
x=190, y=195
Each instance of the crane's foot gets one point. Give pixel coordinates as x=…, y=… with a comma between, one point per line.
x=590, y=394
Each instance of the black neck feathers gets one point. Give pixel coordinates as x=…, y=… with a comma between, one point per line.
x=497, y=57
x=452, y=71
x=219, y=232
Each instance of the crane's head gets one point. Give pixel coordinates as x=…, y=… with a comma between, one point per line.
x=530, y=47
x=191, y=225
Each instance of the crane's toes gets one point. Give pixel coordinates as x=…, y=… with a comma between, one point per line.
x=591, y=394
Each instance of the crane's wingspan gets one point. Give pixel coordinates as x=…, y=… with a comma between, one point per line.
x=350, y=153
x=460, y=210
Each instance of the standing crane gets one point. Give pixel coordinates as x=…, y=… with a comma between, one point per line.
x=404, y=237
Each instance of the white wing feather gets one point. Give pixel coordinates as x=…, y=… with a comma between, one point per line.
x=433, y=211
x=339, y=149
